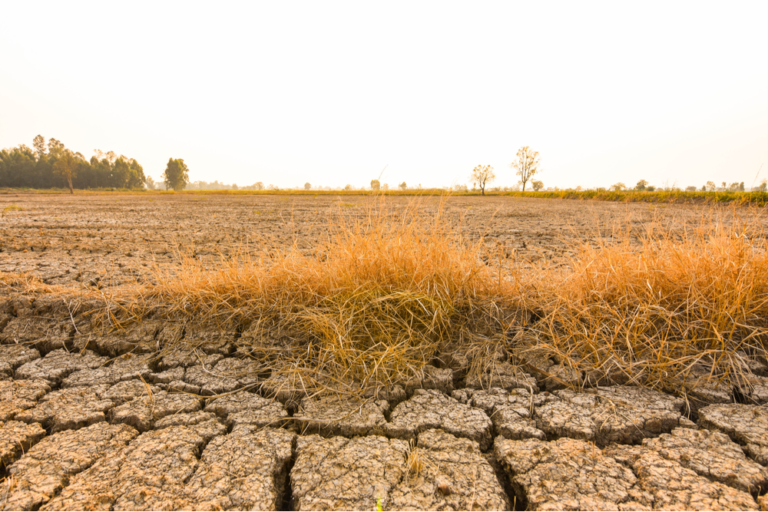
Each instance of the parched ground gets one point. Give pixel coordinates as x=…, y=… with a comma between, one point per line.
x=110, y=239
x=195, y=427
x=162, y=417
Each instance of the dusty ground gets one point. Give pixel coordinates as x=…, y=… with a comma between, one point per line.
x=179, y=430
x=163, y=417
x=105, y=240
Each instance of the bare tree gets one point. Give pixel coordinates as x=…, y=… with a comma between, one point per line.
x=66, y=165
x=481, y=176
x=527, y=164
x=307, y=186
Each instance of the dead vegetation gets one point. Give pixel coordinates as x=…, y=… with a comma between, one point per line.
x=386, y=293
x=675, y=307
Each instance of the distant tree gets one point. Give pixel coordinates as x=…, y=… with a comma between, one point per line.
x=736, y=187
x=690, y=189
x=385, y=186
x=66, y=166
x=258, y=185
x=307, y=186
x=763, y=186
x=641, y=185
x=176, y=175
x=39, y=144
x=150, y=183
x=375, y=185
x=481, y=176
x=54, y=147
x=618, y=187
x=537, y=185
x=710, y=186
x=128, y=173
x=348, y=187
x=650, y=188
x=403, y=186
x=272, y=187
x=527, y=164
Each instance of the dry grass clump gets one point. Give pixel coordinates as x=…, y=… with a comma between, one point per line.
x=388, y=293
x=665, y=311
x=369, y=308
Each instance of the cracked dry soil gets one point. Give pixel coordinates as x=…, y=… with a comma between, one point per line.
x=86, y=430
x=94, y=421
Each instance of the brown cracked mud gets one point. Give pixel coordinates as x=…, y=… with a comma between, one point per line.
x=173, y=417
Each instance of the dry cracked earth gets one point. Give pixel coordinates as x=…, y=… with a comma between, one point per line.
x=166, y=417
x=102, y=241
x=162, y=417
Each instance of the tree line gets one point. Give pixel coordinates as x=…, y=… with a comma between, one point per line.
x=526, y=165
x=52, y=165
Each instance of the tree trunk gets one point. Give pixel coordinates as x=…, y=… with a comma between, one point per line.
x=71, y=188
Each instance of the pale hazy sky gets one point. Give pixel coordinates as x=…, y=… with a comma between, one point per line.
x=331, y=92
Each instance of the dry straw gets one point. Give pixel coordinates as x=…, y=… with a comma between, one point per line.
x=389, y=292
x=379, y=299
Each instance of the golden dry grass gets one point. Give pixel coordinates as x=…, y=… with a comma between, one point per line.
x=659, y=311
x=369, y=307
x=384, y=296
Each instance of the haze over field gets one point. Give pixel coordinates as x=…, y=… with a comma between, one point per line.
x=331, y=92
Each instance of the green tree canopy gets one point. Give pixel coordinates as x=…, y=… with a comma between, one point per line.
x=52, y=165
x=176, y=175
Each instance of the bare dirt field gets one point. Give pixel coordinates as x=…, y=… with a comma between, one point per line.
x=107, y=240
x=398, y=374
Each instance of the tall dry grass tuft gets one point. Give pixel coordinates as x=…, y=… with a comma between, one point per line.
x=370, y=307
x=663, y=311
x=388, y=292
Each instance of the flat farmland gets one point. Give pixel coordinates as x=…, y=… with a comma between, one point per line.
x=395, y=351
x=104, y=240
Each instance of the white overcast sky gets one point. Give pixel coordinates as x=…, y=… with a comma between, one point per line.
x=331, y=92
